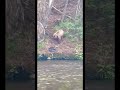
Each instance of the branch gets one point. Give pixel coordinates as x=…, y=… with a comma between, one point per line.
x=60, y=11
x=64, y=12
x=41, y=28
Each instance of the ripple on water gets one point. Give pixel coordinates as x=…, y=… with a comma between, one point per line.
x=59, y=74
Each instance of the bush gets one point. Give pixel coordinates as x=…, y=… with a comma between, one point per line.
x=20, y=37
x=17, y=73
x=59, y=57
x=73, y=29
x=106, y=71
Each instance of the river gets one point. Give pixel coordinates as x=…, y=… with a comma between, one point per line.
x=60, y=75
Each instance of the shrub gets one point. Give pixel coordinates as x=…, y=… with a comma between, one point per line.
x=105, y=71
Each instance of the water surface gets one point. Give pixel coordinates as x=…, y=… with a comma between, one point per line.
x=60, y=75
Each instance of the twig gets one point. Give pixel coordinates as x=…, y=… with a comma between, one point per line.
x=60, y=12
x=41, y=25
x=64, y=12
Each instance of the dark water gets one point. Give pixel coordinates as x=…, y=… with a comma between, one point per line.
x=23, y=85
x=99, y=85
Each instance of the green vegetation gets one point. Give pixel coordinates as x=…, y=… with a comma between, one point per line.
x=106, y=71
x=16, y=72
x=40, y=45
x=78, y=54
x=74, y=34
x=99, y=38
x=73, y=29
x=19, y=49
x=56, y=56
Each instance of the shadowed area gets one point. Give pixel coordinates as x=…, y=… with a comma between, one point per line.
x=23, y=85
x=100, y=85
